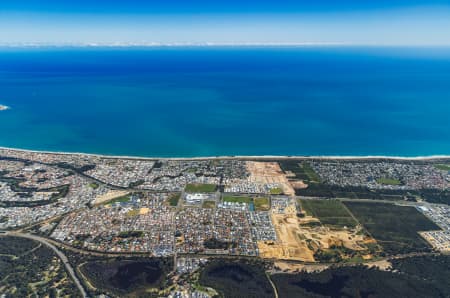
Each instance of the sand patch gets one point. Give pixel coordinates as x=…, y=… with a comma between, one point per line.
x=112, y=194
x=294, y=268
x=269, y=173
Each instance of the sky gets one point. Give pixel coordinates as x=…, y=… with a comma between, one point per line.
x=359, y=22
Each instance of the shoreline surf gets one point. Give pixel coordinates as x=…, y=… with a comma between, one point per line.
x=260, y=157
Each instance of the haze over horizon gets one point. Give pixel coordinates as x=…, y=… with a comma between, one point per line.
x=395, y=22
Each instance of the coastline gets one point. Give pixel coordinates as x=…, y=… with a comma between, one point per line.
x=244, y=157
x=4, y=108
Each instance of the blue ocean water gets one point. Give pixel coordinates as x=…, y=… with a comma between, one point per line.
x=227, y=101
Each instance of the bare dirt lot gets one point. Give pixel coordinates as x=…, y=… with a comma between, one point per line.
x=300, y=238
x=269, y=172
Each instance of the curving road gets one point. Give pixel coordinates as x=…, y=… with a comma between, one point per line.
x=58, y=253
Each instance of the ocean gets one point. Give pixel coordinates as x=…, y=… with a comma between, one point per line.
x=209, y=101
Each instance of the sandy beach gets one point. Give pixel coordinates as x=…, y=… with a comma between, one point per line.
x=243, y=157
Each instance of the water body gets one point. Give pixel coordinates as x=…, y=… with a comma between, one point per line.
x=187, y=102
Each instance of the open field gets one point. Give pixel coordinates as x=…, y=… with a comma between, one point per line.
x=110, y=196
x=201, y=188
x=389, y=181
x=120, y=199
x=235, y=199
x=261, y=204
x=276, y=191
x=329, y=212
x=395, y=227
x=209, y=204
x=443, y=167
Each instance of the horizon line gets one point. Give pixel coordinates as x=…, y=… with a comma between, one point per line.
x=205, y=44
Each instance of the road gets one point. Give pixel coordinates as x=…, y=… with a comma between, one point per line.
x=58, y=253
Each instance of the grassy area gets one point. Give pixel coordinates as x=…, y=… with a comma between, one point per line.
x=312, y=175
x=173, y=199
x=276, y=191
x=93, y=185
x=121, y=199
x=442, y=167
x=395, y=227
x=133, y=212
x=201, y=188
x=388, y=181
x=234, y=199
x=329, y=212
x=262, y=204
x=301, y=169
x=209, y=204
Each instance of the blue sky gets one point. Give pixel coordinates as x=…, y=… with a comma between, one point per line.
x=395, y=22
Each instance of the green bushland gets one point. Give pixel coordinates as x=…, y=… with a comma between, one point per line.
x=388, y=181
x=128, y=278
x=237, y=278
x=59, y=192
x=261, y=204
x=24, y=270
x=438, y=196
x=395, y=227
x=209, y=204
x=201, y=188
x=329, y=212
x=173, y=199
x=417, y=277
x=131, y=234
x=235, y=199
x=214, y=243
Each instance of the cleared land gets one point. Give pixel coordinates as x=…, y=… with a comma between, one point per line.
x=329, y=212
x=303, y=237
x=291, y=244
x=201, y=188
x=395, y=227
x=269, y=173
